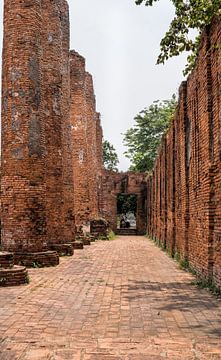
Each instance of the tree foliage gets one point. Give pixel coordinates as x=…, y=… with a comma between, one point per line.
x=126, y=204
x=143, y=139
x=110, y=158
x=189, y=15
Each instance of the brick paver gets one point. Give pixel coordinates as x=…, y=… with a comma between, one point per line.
x=122, y=299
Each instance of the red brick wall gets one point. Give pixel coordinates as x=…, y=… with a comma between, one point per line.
x=215, y=36
x=184, y=191
x=127, y=183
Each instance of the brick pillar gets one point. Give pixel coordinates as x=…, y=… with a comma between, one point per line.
x=91, y=145
x=55, y=40
x=99, y=157
x=67, y=144
x=23, y=134
x=99, y=142
x=52, y=97
x=79, y=136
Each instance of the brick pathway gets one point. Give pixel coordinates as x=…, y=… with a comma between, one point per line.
x=123, y=299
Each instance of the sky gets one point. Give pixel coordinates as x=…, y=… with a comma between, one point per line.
x=120, y=42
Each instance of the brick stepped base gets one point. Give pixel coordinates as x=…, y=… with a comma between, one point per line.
x=6, y=260
x=41, y=259
x=78, y=245
x=99, y=229
x=11, y=275
x=63, y=249
x=91, y=238
x=126, y=232
x=17, y=275
x=86, y=241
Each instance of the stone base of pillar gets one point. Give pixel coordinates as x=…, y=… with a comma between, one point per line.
x=11, y=275
x=92, y=238
x=38, y=259
x=78, y=245
x=99, y=229
x=86, y=241
x=15, y=276
x=62, y=249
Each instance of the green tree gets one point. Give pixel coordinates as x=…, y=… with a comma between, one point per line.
x=110, y=158
x=126, y=204
x=143, y=139
x=189, y=15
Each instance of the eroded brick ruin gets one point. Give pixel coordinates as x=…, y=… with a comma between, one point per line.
x=124, y=183
x=87, y=142
x=184, y=193
x=51, y=163
x=53, y=184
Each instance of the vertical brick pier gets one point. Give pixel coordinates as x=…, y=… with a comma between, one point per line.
x=23, y=158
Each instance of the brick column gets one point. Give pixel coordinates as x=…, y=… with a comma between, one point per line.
x=67, y=144
x=55, y=40
x=79, y=136
x=23, y=135
x=91, y=117
x=99, y=157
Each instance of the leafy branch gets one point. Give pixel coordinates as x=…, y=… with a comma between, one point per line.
x=189, y=15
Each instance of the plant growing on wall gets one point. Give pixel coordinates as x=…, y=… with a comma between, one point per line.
x=143, y=139
x=110, y=158
x=189, y=15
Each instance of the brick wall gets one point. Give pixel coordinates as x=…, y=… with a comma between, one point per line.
x=184, y=211
x=123, y=183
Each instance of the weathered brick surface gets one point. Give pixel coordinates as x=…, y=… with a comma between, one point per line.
x=87, y=142
x=91, y=116
x=36, y=163
x=55, y=85
x=6, y=260
x=99, y=229
x=67, y=141
x=11, y=275
x=114, y=300
x=17, y=275
x=39, y=259
x=79, y=131
x=23, y=136
x=184, y=190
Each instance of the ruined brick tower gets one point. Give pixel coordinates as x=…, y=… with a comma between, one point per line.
x=23, y=182
x=37, y=174
x=56, y=103
x=87, y=142
x=45, y=153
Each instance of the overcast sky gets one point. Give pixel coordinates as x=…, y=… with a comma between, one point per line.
x=120, y=42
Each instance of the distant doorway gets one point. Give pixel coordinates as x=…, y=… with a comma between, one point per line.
x=127, y=211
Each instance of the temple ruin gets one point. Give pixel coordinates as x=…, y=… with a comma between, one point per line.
x=52, y=178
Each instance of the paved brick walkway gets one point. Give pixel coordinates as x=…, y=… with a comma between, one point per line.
x=123, y=299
